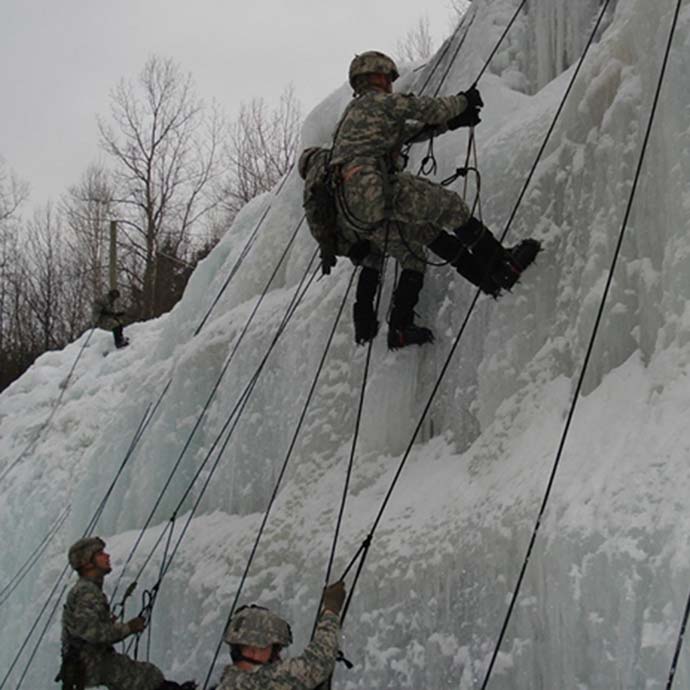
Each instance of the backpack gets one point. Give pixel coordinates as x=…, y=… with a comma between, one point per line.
x=318, y=198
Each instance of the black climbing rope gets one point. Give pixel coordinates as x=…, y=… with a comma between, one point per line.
x=245, y=250
x=679, y=645
x=487, y=62
x=63, y=575
x=355, y=432
x=468, y=20
x=209, y=400
x=28, y=564
x=363, y=550
x=233, y=418
x=46, y=424
x=590, y=348
x=281, y=474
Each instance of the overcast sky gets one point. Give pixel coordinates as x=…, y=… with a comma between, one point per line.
x=61, y=58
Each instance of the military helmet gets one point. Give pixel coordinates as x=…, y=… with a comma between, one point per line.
x=303, y=163
x=371, y=62
x=82, y=551
x=256, y=626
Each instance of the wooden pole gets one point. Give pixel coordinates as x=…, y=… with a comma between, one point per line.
x=113, y=254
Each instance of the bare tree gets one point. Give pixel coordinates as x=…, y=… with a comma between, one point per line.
x=164, y=145
x=417, y=44
x=13, y=193
x=458, y=8
x=88, y=207
x=42, y=266
x=262, y=145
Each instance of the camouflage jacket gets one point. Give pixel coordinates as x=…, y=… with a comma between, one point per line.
x=87, y=623
x=106, y=313
x=303, y=672
x=376, y=124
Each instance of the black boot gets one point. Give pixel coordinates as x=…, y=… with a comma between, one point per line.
x=503, y=266
x=363, y=313
x=402, y=330
x=452, y=250
x=120, y=340
x=519, y=257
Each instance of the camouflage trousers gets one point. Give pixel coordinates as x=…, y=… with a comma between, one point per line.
x=418, y=210
x=118, y=672
x=389, y=239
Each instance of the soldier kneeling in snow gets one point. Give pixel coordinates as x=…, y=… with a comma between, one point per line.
x=256, y=637
x=89, y=631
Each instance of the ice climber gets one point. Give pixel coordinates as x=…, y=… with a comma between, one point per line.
x=336, y=239
x=89, y=632
x=257, y=636
x=107, y=314
x=379, y=208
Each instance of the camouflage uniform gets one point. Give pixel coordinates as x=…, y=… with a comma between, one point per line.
x=371, y=190
x=105, y=313
x=338, y=237
x=87, y=625
x=303, y=672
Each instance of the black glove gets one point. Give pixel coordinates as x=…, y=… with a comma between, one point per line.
x=474, y=98
x=470, y=116
x=328, y=261
x=359, y=251
x=334, y=597
x=136, y=625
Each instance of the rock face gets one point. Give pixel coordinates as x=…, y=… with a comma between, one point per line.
x=607, y=581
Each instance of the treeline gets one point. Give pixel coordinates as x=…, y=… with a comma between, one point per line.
x=174, y=176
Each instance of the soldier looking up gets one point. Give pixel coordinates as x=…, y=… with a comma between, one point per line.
x=399, y=211
x=107, y=314
x=89, y=631
x=257, y=636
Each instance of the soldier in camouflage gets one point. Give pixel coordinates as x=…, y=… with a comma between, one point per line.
x=89, y=632
x=256, y=637
x=107, y=314
x=399, y=211
x=336, y=238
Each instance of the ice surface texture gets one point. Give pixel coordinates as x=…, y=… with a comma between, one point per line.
x=604, y=593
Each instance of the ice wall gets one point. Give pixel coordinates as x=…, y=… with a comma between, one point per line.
x=607, y=583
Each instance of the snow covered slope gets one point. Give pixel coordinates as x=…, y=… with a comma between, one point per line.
x=604, y=592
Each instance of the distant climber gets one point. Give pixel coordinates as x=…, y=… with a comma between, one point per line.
x=89, y=631
x=385, y=208
x=257, y=636
x=107, y=314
